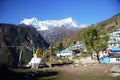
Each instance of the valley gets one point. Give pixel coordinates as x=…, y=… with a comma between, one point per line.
x=24, y=39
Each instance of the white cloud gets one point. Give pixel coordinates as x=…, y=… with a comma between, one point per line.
x=83, y=25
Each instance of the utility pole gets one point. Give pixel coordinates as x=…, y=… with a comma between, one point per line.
x=21, y=51
x=32, y=44
x=44, y=57
x=20, y=56
x=50, y=58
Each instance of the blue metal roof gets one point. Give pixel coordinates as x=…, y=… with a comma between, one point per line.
x=105, y=60
x=115, y=49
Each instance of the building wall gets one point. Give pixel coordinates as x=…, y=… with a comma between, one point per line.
x=112, y=60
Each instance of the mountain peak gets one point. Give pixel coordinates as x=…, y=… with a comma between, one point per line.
x=29, y=21
x=69, y=19
x=50, y=24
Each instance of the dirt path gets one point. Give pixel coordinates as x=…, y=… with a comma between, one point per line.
x=70, y=72
x=86, y=70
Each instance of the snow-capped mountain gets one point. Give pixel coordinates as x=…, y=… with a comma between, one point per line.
x=50, y=24
x=53, y=30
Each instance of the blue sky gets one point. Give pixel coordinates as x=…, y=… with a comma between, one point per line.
x=82, y=11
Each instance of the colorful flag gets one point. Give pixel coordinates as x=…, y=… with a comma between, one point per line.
x=37, y=53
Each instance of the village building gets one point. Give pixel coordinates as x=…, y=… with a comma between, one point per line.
x=115, y=55
x=65, y=53
x=71, y=50
x=113, y=48
x=114, y=39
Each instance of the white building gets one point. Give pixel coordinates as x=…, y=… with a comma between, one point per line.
x=114, y=39
x=65, y=53
x=114, y=47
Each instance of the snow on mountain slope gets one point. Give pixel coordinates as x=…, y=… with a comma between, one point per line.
x=50, y=24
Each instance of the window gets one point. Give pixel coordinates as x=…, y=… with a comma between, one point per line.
x=118, y=60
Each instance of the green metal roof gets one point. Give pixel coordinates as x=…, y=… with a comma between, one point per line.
x=113, y=42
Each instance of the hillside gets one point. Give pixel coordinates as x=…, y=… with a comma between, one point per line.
x=109, y=24
x=70, y=39
x=14, y=38
x=55, y=35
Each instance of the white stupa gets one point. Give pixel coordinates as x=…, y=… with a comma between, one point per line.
x=36, y=60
